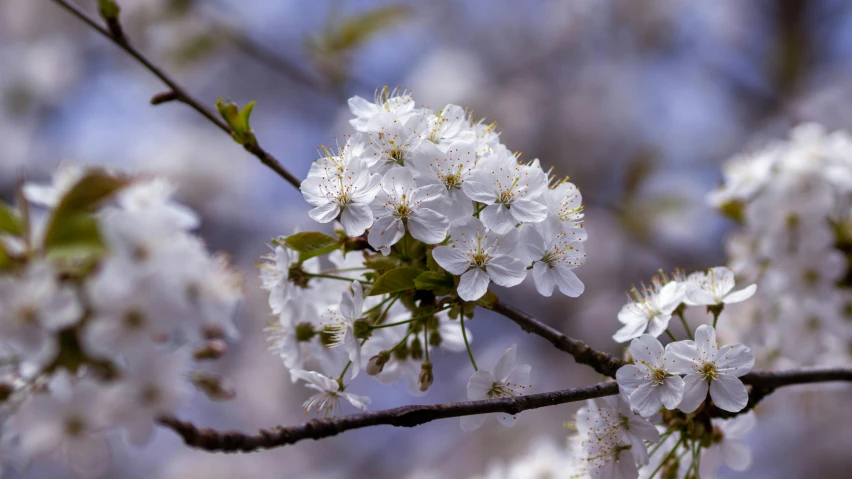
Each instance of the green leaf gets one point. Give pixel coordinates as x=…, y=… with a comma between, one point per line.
x=432, y=264
x=354, y=31
x=488, y=301
x=311, y=243
x=245, y=115
x=440, y=283
x=5, y=260
x=381, y=262
x=10, y=222
x=72, y=229
x=395, y=280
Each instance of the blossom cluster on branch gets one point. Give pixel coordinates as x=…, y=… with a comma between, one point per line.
x=107, y=303
x=793, y=200
x=432, y=209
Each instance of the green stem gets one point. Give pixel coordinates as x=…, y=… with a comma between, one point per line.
x=422, y=316
x=686, y=325
x=665, y=459
x=660, y=443
x=385, y=312
x=426, y=342
x=339, y=278
x=342, y=373
x=342, y=270
x=669, y=332
x=716, y=315
x=467, y=344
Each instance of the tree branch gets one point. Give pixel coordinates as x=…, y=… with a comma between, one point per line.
x=406, y=416
x=409, y=416
x=177, y=91
x=600, y=361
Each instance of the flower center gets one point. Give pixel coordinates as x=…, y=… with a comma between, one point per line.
x=708, y=370
x=658, y=377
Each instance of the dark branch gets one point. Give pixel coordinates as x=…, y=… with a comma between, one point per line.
x=601, y=362
x=407, y=416
x=178, y=92
x=762, y=382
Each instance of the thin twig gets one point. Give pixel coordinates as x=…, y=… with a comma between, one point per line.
x=600, y=361
x=407, y=416
x=178, y=92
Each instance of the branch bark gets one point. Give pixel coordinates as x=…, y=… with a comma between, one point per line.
x=410, y=416
x=600, y=361
x=406, y=416
x=178, y=92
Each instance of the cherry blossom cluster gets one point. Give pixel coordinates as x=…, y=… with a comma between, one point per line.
x=792, y=200
x=432, y=209
x=107, y=302
x=663, y=397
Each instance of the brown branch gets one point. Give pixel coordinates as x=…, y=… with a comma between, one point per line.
x=762, y=382
x=178, y=92
x=407, y=416
x=600, y=361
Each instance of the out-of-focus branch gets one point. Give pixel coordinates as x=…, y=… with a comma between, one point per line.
x=407, y=416
x=176, y=91
x=600, y=361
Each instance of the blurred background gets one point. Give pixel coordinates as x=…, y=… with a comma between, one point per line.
x=638, y=101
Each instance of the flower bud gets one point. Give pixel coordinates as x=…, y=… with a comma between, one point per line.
x=305, y=332
x=214, y=349
x=377, y=363
x=211, y=385
x=426, y=378
x=435, y=339
x=416, y=349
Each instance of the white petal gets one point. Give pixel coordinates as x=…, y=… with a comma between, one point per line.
x=325, y=213
x=710, y=460
x=532, y=244
x=729, y=393
x=361, y=402
x=671, y=392
x=543, y=276
x=734, y=360
x=694, y=393
x=741, y=295
x=479, y=384
x=645, y=399
x=629, y=377
x=506, y=419
x=506, y=364
x=386, y=232
x=506, y=271
x=646, y=349
x=473, y=285
x=736, y=455
x=428, y=226
x=451, y=259
x=705, y=342
x=568, y=282
x=356, y=218
x=629, y=331
x=528, y=211
x=681, y=356
x=497, y=217
x=479, y=192
x=472, y=423
x=520, y=377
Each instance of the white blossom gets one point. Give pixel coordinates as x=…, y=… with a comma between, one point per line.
x=506, y=380
x=715, y=287
x=555, y=256
x=649, y=309
x=611, y=425
x=341, y=323
x=344, y=191
x=510, y=189
x=648, y=382
x=328, y=396
x=707, y=366
x=401, y=205
x=727, y=446
x=449, y=169
x=480, y=256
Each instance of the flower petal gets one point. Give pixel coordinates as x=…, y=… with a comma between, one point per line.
x=741, y=295
x=356, y=218
x=473, y=285
x=694, y=393
x=451, y=259
x=506, y=364
x=428, y=226
x=729, y=393
x=506, y=271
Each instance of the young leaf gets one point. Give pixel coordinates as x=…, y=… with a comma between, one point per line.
x=311, y=243
x=72, y=229
x=381, y=262
x=488, y=301
x=439, y=283
x=395, y=280
x=9, y=220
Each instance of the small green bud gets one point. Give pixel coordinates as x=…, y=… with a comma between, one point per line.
x=426, y=378
x=435, y=339
x=416, y=349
